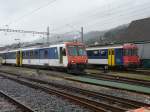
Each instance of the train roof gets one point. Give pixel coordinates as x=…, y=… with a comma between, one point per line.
x=104, y=47
x=42, y=47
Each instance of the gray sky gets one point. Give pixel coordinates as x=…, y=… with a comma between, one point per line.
x=67, y=15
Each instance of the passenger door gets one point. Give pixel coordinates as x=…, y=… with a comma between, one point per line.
x=17, y=58
x=20, y=58
x=63, y=57
x=119, y=56
x=60, y=56
x=111, y=57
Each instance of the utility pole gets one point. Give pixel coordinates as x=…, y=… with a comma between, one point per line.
x=82, y=35
x=48, y=32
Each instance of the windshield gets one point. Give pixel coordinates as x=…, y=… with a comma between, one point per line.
x=76, y=51
x=72, y=51
x=130, y=52
x=81, y=51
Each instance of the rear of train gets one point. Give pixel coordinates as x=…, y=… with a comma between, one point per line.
x=125, y=56
x=117, y=56
x=130, y=56
x=77, y=56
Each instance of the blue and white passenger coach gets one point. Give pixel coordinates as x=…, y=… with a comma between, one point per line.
x=70, y=55
x=124, y=55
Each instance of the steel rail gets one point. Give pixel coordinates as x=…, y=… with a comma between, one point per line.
x=91, y=104
x=91, y=93
x=19, y=104
x=105, y=76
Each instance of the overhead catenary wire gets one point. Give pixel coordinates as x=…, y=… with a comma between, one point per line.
x=103, y=14
x=111, y=19
x=30, y=13
x=119, y=10
x=107, y=19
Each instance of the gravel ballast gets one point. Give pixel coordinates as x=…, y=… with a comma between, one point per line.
x=46, y=75
x=37, y=99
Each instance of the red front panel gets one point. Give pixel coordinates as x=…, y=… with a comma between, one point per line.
x=74, y=57
x=130, y=57
x=131, y=60
x=77, y=59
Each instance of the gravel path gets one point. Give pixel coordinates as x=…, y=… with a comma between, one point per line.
x=38, y=100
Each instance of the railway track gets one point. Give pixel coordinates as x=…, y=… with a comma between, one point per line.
x=101, y=77
x=137, y=71
x=111, y=103
x=104, y=76
x=129, y=70
x=19, y=106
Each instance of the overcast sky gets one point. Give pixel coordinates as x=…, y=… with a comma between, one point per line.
x=67, y=15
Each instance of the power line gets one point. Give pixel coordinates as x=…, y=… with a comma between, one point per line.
x=102, y=17
x=119, y=10
x=110, y=18
x=23, y=31
x=30, y=13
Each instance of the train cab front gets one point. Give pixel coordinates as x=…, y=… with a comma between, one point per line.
x=131, y=58
x=77, y=57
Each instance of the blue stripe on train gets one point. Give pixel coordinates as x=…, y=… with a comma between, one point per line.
x=49, y=53
x=98, y=54
x=45, y=53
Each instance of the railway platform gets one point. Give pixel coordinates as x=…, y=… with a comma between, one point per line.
x=124, y=86
x=137, y=75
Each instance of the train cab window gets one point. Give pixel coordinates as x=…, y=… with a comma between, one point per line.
x=134, y=52
x=127, y=52
x=81, y=51
x=72, y=51
x=64, y=52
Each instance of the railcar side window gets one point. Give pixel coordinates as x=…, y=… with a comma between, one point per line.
x=23, y=54
x=45, y=54
x=96, y=53
x=103, y=53
x=31, y=54
x=35, y=54
x=89, y=53
x=27, y=54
